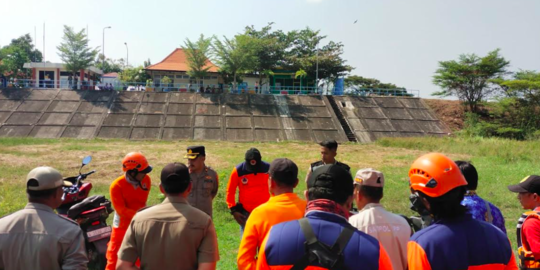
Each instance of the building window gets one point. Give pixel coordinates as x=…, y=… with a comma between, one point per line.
x=214, y=77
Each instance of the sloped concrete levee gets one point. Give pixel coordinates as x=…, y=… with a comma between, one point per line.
x=189, y=116
x=374, y=117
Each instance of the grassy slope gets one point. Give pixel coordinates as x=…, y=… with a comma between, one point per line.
x=499, y=162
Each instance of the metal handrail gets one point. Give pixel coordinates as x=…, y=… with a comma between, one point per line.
x=198, y=88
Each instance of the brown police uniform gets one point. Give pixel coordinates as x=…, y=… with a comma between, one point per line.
x=205, y=183
x=38, y=238
x=170, y=235
x=204, y=189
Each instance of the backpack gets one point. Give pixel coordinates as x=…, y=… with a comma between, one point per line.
x=319, y=253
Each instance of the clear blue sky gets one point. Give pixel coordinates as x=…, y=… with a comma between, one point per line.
x=397, y=41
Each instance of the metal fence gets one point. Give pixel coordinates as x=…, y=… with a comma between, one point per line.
x=197, y=88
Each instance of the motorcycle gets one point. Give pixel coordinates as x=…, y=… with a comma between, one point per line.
x=90, y=213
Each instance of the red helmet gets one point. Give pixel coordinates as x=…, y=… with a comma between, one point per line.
x=435, y=174
x=136, y=161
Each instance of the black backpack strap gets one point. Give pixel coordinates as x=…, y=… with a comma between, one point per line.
x=338, y=247
x=343, y=240
x=310, y=239
x=308, y=231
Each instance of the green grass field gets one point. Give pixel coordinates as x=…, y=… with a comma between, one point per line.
x=499, y=163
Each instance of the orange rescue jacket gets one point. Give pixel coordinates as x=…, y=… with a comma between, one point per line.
x=127, y=199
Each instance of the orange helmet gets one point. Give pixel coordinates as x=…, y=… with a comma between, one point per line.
x=136, y=161
x=435, y=174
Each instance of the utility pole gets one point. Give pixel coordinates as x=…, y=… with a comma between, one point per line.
x=43, y=42
x=103, y=47
x=317, y=70
x=127, y=55
x=35, y=41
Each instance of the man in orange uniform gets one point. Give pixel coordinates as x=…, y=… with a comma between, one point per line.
x=128, y=195
x=251, y=178
x=284, y=205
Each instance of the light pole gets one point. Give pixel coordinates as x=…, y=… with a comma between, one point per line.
x=103, y=47
x=127, y=55
x=317, y=71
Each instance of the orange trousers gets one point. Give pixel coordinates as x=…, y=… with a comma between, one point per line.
x=117, y=236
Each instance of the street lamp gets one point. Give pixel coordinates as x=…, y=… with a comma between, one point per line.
x=103, y=47
x=127, y=55
x=317, y=71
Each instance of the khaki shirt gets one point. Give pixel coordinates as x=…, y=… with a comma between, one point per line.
x=204, y=189
x=392, y=231
x=170, y=235
x=38, y=238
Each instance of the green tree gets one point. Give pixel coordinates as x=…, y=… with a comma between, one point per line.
x=136, y=74
x=302, y=53
x=13, y=56
x=197, y=55
x=165, y=82
x=521, y=104
x=74, y=50
x=269, y=50
x=300, y=74
x=526, y=84
x=147, y=63
x=235, y=56
x=470, y=78
x=358, y=82
x=109, y=65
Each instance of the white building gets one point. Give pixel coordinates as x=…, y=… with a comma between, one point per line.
x=55, y=75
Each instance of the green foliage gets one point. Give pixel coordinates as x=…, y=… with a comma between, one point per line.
x=474, y=126
x=147, y=63
x=470, y=78
x=13, y=56
x=136, y=74
x=110, y=65
x=362, y=85
x=74, y=50
x=236, y=56
x=166, y=80
x=300, y=74
x=534, y=135
x=361, y=82
x=270, y=49
x=197, y=56
x=303, y=52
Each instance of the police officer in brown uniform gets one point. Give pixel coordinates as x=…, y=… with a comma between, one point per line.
x=36, y=237
x=204, y=180
x=171, y=235
x=328, y=156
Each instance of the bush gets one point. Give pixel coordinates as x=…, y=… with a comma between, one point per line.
x=476, y=127
x=535, y=135
x=510, y=133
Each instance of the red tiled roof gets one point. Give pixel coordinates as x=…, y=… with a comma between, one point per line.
x=111, y=75
x=177, y=61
